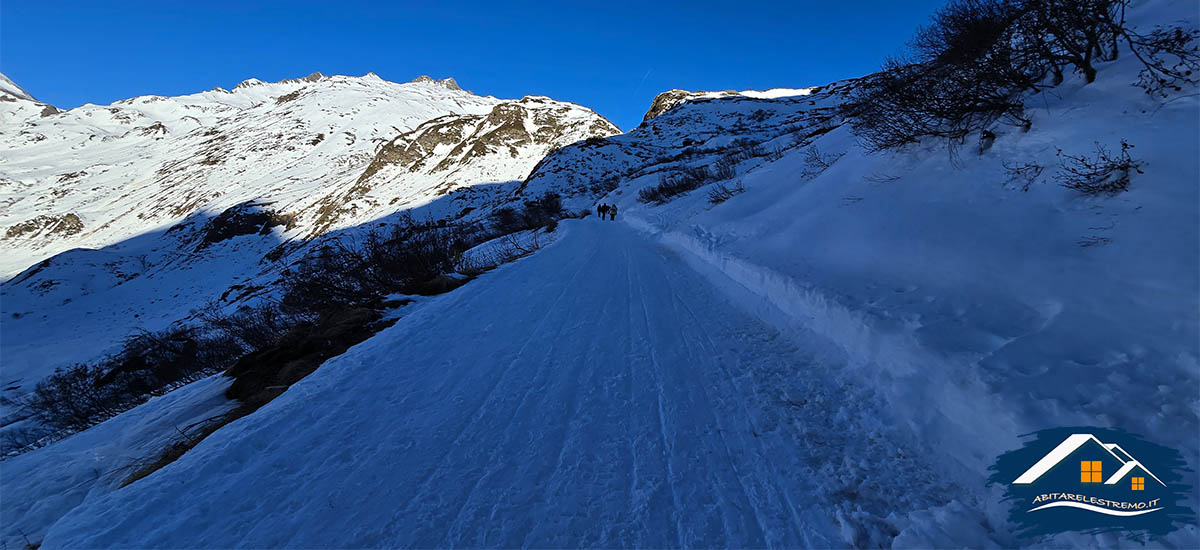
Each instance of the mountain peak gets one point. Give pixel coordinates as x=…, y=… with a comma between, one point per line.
x=313, y=77
x=8, y=87
x=448, y=83
x=248, y=83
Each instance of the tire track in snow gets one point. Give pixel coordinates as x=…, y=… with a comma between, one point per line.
x=711, y=355
x=656, y=368
x=479, y=410
x=748, y=417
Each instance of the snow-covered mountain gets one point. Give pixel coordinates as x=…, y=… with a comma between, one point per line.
x=110, y=210
x=10, y=92
x=96, y=175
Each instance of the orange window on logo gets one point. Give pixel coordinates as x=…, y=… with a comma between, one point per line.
x=1089, y=471
x=1139, y=484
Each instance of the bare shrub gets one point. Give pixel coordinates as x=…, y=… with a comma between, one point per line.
x=1022, y=174
x=971, y=65
x=251, y=327
x=746, y=148
x=543, y=210
x=535, y=213
x=1169, y=58
x=759, y=116
x=16, y=440
x=675, y=183
x=723, y=169
x=815, y=162
x=721, y=193
x=327, y=279
x=149, y=363
x=1104, y=173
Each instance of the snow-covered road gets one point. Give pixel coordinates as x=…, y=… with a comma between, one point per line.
x=598, y=393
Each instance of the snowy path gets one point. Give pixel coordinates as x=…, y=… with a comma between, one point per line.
x=598, y=394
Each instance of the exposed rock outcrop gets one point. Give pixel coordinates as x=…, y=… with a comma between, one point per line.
x=243, y=219
x=448, y=83
x=65, y=225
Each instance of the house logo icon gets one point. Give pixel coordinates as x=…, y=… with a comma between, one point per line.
x=1095, y=458
x=1094, y=480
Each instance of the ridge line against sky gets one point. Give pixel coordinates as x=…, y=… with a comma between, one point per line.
x=612, y=57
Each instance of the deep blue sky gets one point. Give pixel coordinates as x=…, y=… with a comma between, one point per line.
x=610, y=56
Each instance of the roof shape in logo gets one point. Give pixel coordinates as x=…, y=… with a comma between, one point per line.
x=1073, y=443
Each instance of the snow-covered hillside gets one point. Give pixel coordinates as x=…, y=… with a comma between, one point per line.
x=96, y=175
x=128, y=215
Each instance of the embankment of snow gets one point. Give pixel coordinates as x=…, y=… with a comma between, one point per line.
x=44, y=484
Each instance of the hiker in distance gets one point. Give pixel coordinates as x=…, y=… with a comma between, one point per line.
x=612, y=211
x=602, y=209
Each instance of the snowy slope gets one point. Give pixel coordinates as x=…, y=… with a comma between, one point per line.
x=11, y=92
x=42, y=485
x=145, y=163
x=147, y=178
x=598, y=394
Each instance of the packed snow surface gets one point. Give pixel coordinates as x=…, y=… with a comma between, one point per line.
x=599, y=393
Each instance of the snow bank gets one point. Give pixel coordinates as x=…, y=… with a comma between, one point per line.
x=44, y=484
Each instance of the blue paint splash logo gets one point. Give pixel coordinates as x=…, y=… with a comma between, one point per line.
x=1094, y=480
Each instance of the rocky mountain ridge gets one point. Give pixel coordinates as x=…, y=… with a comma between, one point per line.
x=305, y=145
x=132, y=215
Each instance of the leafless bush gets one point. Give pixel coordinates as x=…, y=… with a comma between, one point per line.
x=251, y=327
x=605, y=185
x=535, y=213
x=345, y=274
x=1102, y=174
x=330, y=278
x=721, y=193
x=799, y=137
x=723, y=169
x=513, y=247
x=759, y=116
x=970, y=67
x=815, y=162
x=16, y=440
x=1022, y=174
x=149, y=363
x=1169, y=58
x=745, y=149
x=675, y=183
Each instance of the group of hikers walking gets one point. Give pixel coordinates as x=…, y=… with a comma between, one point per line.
x=609, y=209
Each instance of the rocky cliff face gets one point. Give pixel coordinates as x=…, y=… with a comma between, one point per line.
x=459, y=152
